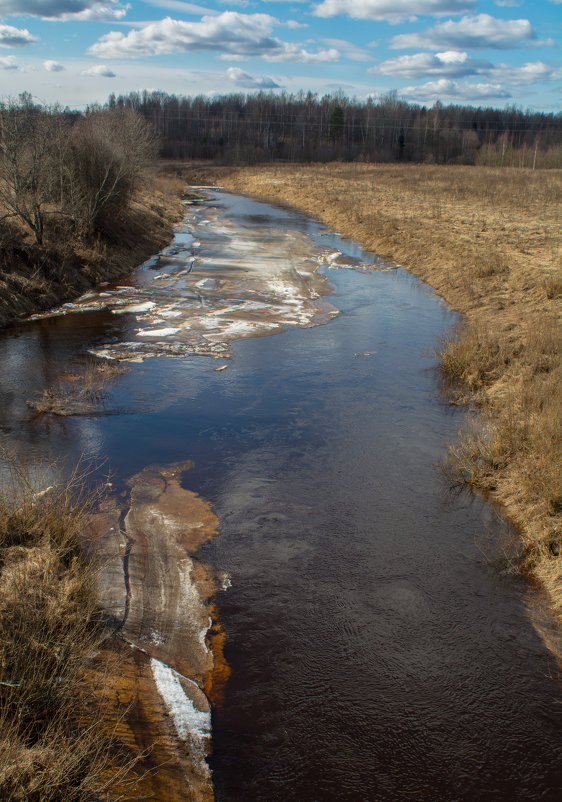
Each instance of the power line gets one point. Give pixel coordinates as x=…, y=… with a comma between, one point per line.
x=368, y=124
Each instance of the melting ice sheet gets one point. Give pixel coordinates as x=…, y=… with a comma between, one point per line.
x=192, y=725
x=226, y=276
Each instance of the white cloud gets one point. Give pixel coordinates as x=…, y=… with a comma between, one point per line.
x=392, y=10
x=53, y=66
x=65, y=10
x=99, y=71
x=455, y=64
x=288, y=51
x=349, y=50
x=450, y=64
x=8, y=63
x=510, y=3
x=481, y=31
x=228, y=33
x=16, y=37
x=452, y=90
x=247, y=81
x=186, y=8
x=530, y=73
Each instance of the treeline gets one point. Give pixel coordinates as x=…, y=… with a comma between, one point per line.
x=305, y=127
x=74, y=171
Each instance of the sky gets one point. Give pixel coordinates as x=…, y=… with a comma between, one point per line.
x=493, y=53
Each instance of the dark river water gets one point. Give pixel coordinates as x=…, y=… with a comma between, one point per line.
x=378, y=650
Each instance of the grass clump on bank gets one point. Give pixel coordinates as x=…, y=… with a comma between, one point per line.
x=81, y=393
x=488, y=241
x=52, y=746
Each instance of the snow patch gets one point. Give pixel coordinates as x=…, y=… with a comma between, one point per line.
x=164, y=332
x=191, y=724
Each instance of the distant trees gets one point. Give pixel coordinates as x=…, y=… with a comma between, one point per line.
x=309, y=127
x=82, y=168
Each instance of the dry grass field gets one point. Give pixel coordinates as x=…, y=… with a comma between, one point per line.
x=488, y=241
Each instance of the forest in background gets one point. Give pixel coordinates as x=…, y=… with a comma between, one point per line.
x=240, y=128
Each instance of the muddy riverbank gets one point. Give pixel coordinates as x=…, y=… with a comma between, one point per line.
x=159, y=599
x=36, y=278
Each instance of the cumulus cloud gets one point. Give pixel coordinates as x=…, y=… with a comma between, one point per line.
x=99, y=71
x=8, y=63
x=16, y=37
x=349, y=50
x=445, y=88
x=392, y=10
x=53, y=66
x=530, y=73
x=247, y=81
x=450, y=64
x=455, y=64
x=480, y=31
x=65, y=10
x=187, y=8
x=240, y=35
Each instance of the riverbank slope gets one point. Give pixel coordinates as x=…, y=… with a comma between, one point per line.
x=35, y=278
x=488, y=241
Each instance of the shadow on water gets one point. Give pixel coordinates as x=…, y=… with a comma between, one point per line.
x=376, y=652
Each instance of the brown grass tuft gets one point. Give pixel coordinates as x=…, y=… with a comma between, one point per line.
x=81, y=393
x=52, y=744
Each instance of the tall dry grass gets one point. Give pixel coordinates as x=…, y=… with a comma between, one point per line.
x=488, y=240
x=52, y=742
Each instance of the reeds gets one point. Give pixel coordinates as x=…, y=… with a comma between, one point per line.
x=81, y=393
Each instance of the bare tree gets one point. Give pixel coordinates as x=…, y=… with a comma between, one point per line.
x=30, y=155
x=109, y=150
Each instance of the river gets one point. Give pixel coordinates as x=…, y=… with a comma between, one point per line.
x=378, y=647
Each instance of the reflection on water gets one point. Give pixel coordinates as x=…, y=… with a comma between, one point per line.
x=374, y=653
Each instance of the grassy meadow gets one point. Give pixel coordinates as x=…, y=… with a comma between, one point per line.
x=488, y=241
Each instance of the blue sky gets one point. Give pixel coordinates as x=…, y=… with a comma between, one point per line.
x=476, y=52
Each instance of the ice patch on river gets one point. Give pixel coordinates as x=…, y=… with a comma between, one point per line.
x=192, y=725
x=223, y=278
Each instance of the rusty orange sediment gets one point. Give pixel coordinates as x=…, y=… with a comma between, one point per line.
x=165, y=663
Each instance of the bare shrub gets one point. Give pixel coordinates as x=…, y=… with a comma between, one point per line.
x=108, y=153
x=32, y=141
